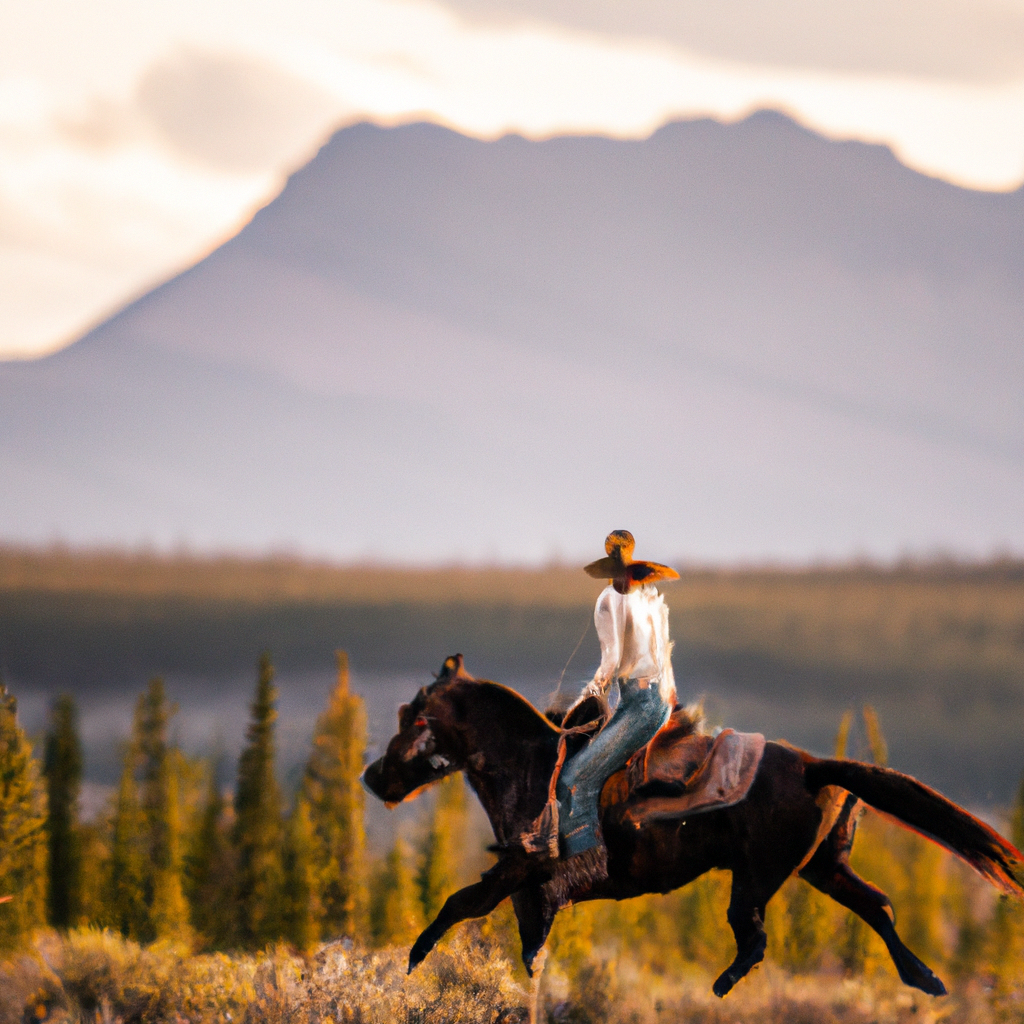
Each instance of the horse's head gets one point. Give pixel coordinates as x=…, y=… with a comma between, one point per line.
x=427, y=746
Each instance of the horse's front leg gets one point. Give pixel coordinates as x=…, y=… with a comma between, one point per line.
x=476, y=900
x=535, y=915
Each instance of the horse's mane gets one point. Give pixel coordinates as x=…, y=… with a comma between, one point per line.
x=517, y=702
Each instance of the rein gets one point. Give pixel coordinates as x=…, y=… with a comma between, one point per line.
x=563, y=745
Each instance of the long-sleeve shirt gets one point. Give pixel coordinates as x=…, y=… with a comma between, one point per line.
x=635, y=644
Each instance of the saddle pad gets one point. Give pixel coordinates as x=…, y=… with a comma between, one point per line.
x=723, y=779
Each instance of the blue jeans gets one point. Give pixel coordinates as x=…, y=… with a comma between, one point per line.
x=639, y=715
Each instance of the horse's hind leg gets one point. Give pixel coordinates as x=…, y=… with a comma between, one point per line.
x=746, y=918
x=829, y=871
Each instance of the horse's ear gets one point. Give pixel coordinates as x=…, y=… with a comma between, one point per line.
x=454, y=668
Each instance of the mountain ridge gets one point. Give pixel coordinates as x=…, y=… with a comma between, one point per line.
x=424, y=333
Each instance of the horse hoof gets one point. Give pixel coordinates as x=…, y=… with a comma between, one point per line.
x=723, y=986
x=932, y=985
x=919, y=975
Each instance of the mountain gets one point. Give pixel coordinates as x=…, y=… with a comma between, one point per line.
x=740, y=341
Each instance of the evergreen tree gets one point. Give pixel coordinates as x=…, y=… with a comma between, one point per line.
x=125, y=903
x=334, y=796
x=210, y=871
x=852, y=944
x=876, y=739
x=1017, y=820
x=169, y=909
x=62, y=766
x=396, y=915
x=843, y=734
x=258, y=826
x=144, y=894
x=803, y=916
x=23, y=838
x=442, y=847
x=300, y=923
x=161, y=821
x=95, y=838
x=924, y=898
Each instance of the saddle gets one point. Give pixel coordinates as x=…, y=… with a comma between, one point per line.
x=683, y=771
x=680, y=771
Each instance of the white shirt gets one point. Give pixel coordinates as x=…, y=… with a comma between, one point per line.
x=635, y=644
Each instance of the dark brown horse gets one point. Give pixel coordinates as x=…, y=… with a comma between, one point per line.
x=508, y=750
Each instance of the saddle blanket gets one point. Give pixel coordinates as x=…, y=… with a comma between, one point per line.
x=680, y=774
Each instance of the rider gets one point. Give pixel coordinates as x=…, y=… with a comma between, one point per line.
x=632, y=625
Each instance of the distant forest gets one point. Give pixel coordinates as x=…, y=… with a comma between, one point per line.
x=104, y=617
x=938, y=648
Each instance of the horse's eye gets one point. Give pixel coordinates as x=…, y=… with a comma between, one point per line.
x=420, y=723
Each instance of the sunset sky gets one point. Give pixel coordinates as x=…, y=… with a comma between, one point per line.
x=135, y=137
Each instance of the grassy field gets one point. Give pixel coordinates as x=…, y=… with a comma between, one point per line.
x=91, y=976
x=938, y=649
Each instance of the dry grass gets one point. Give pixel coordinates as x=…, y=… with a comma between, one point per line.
x=92, y=976
x=95, y=976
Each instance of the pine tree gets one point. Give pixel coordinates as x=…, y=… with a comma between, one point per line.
x=334, y=796
x=843, y=734
x=1017, y=821
x=442, y=847
x=23, y=838
x=161, y=823
x=125, y=902
x=852, y=944
x=876, y=739
x=169, y=909
x=210, y=871
x=258, y=826
x=1005, y=940
x=300, y=924
x=144, y=893
x=95, y=838
x=62, y=766
x=396, y=915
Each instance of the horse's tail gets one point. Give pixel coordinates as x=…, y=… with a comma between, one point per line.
x=921, y=809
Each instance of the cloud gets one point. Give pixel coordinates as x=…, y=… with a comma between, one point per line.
x=134, y=138
x=963, y=40
x=233, y=112
x=102, y=124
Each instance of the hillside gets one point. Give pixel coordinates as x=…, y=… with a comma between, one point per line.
x=421, y=348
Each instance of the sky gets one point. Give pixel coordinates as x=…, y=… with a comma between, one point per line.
x=135, y=137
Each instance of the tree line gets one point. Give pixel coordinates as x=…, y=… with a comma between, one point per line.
x=176, y=857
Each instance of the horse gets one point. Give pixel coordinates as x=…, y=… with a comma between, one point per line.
x=799, y=816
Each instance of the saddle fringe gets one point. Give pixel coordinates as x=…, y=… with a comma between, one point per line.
x=574, y=876
x=542, y=837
